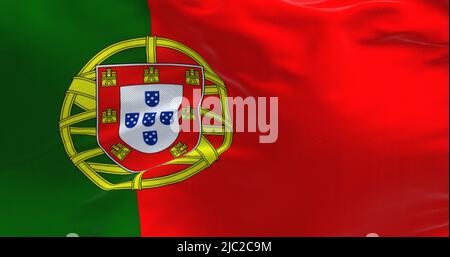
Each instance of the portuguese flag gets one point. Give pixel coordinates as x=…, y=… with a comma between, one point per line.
x=345, y=125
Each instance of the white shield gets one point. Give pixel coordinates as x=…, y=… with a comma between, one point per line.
x=149, y=116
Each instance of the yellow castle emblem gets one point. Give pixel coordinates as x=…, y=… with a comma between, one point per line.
x=109, y=78
x=151, y=75
x=109, y=116
x=192, y=77
x=120, y=151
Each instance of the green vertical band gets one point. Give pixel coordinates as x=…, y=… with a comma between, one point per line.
x=43, y=45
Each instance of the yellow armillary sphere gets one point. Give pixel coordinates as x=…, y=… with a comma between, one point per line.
x=82, y=93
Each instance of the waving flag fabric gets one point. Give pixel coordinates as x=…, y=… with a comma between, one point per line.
x=361, y=106
x=363, y=119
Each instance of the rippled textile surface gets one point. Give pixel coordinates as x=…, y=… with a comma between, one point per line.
x=43, y=46
x=363, y=119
